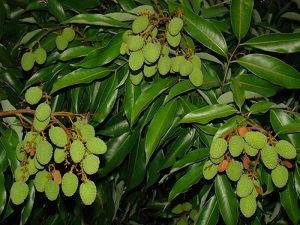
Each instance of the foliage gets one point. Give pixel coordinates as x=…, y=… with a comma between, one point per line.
x=158, y=131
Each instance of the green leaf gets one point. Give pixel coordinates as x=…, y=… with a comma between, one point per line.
x=261, y=107
x=127, y=5
x=159, y=125
x=2, y=22
x=228, y=203
x=282, y=43
x=26, y=211
x=152, y=168
x=291, y=16
x=271, y=69
x=240, y=16
x=5, y=57
x=208, y=113
x=209, y=214
x=56, y=10
x=3, y=161
x=203, y=31
x=75, y=52
x=149, y=95
x=10, y=77
x=115, y=125
x=289, y=128
x=80, y=76
x=214, y=11
x=179, y=88
x=192, y=176
x=3, y=193
x=238, y=92
x=289, y=201
x=230, y=124
x=296, y=180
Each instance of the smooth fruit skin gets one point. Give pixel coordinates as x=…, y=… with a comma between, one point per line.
x=69, y=34
x=61, y=42
x=40, y=55
x=33, y=95
x=27, y=61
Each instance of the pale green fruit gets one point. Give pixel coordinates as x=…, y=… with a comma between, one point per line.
x=269, y=157
x=40, y=55
x=33, y=95
x=187, y=206
x=69, y=184
x=236, y=145
x=59, y=155
x=280, y=176
x=210, y=170
x=149, y=70
x=44, y=152
x=244, y=186
x=40, y=126
x=140, y=24
x=136, y=60
x=77, y=151
x=196, y=77
x=123, y=48
x=40, y=180
x=173, y=41
x=178, y=61
x=164, y=65
x=250, y=150
x=21, y=174
x=135, y=43
x=87, y=131
x=151, y=52
x=285, y=149
x=51, y=190
x=96, y=146
x=217, y=160
x=136, y=78
x=248, y=206
x=175, y=26
x=256, y=139
x=31, y=166
x=218, y=148
x=61, y=42
x=58, y=136
x=27, y=61
x=20, y=152
x=88, y=192
x=186, y=68
x=91, y=164
x=177, y=209
x=196, y=61
x=42, y=112
x=234, y=170
x=69, y=34
x=19, y=192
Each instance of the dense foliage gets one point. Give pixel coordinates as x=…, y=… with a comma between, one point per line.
x=190, y=111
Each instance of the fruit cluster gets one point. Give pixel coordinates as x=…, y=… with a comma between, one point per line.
x=153, y=44
x=50, y=149
x=238, y=156
x=186, y=212
x=39, y=55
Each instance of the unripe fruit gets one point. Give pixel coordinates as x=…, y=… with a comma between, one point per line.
x=31, y=166
x=40, y=126
x=177, y=209
x=44, y=152
x=126, y=36
x=96, y=146
x=209, y=170
x=40, y=180
x=244, y=186
x=78, y=124
x=135, y=43
x=149, y=70
x=175, y=26
x=136, y=78
x=19, y=192
x=236, y=145
x=88, y=192
x=269, y=157
x=20, y=152
x=250, y=150
x=285, y=149
x=140, y=24
x=61, y=42
x=196, y=77
x=21, y=174
x=87, y=131
x=42, y=111
x=176, y=64
x=36, y=163
x=136, y=60
x=186, y=68
x=51, y=190
x=69, y=34
x=40, y=55
x=27, y=61
x=123, y=48
x=196, y=61
x=77, y=151
x=280, y=176
x=58, y=136
x=218, y=148
x=248, y=206
x=165, y=50
x=234, y=170
x=91, y=164
x=173, y=40
x=32, y=137
x=164, y=65
x=186, y=206
x=256, y=139
x=33, y=95
x=151, y=52
x=59, y=155
x=69, y=184
x=217, y=160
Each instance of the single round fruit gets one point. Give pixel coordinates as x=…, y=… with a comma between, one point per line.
x=196, y=77
x=61, y=42
x=248, y=206
x=27, y=61
x=31, y=166
x=269, y=157
x=36, y=163
x=165, y=50
x=164, y=65
x=174, y=41
x=91, y=164
x=33, y=95
x=187, y=206
x=218, y=148
x=88, y=192
x=280, y=176
x=151, y=52
x=217, y=160
x=58, y=136
x=69, y=184
x=51, y=190
x=32, y=137
x=20, y=152
x=234, y=170
x=250, y=150
x=40, y=55
x=196, y=61
x=236, y=145
x=77, y=151
x=126, y=36
x=177, y=209
x=186, y=68
x=40, y=126
x=135, y=43
x=209, y=170
x=244, y=186
x=149, y=70
x=96, y=146
x=136, y=60
x=44, y=152
x=19, y=192
x=175, y=26
x=136, y=78
x=256, y=139
x=285, y=149
x=140, y=24
x=87, y=131
x=21, y=174
x=42, y=112
x=69, y=34
x=176, y=64
x=40, y=180
x=59, y=155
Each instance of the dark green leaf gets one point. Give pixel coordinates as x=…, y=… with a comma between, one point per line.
x=209, y=214
x=75, y=52
x=10, y=77
x=261, y=107
x=127, y=5
x=289, y=128
x=3, y=161
x=56, y=10
x=296, y=180
x=3, y=193
x=26, y=212
x=179, y=88
x=238, y=92
x=271, y=69
x=115, y=126
x=227, y=199
x=214, y=11
x=152, y=168
x=2, y=22
x=5, y=57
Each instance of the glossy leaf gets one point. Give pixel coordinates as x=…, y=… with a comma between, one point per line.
x=158, y=126
x=208, y=113
x=127, y=5
x=209, y=214
x=214, y=11
x=25, y=214
x=75, y=52
x=115, y=126
x=227, y=199
x=238, y=92
x=179, y=88
x=289, y=128
x=10, y=76
x=296, y=180
x=261, y=107
x=3, y=161
x=5, y=57
x=230, y=124
x=152, y=168
x=80, y=76
x=240, y=16
x=56, y=10
x=280, y=42
x=3, y=193
x=271, y=69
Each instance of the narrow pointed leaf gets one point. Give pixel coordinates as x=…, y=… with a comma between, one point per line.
x=238, y=92
x=3, y=193
x=56, y=10
x=240, y=16
x=5, y=57
x=296, y=180
x=261, y=107
x=28, y=203
x=289, y=128
x=271, y=69
x=179, y=88
x=75, y=52
x=209, y=214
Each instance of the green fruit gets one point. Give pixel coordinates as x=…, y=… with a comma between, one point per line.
x=136, y=60
x=19, y=192
x=217, y=160
x=176, y=64
x=177, y=209
x=186, y=68
x=285, y=149
x=164, y=65
x=96, y=146
x=193, y=214
x=33, y=95
x=20, y=152
x=196, y=61
x=209, y=170
x=269, y=157
x=32, y=137
x=51, y=190
x=78, y=124
x=234, y=170
x=149, y=70
x=27, y=61
x=175, y=26
x=91, y=164
x=88, y=192
x=42, y=112
x=135, y=43
x=31, y=166
x=236, y=145
x=173, y=41
x=69, y=184
x=21, y=174
x=61, y=42
x=256, y=139
x=186, y=206
x=123, y=48
x=136, y=78
x=140, y=24
x=196, y=77
x=36, y=163
x=44, y=152
x=40, y=55
x=69, y=34
x=165, y=50
x=126, y=36
x=248, y=206
x=244, y=186
x=250, y=150
x=87, y=131
x=280, y=176
x=40, y=180
x=58, y=136
x=77, y=151
x=40, y=126
x=59, y=155
x=218, y=148
x=151, y=52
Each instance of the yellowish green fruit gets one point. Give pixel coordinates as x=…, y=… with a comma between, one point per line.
x=58, y=136
x=40, y=55
x=69, y=34
x=165, y=50
x=88, y=192
x=234, y=170
x=135, y=43
x=126, y=36
x=61, y=42
x=176, y=64
x=33, y=95
x=187, y=206
x=87, y=131
x=236, y=145
x=37, y=165
x=285, y=149
x=20, y=152
x=96, y=146
x=136, y=60
x=280, y=176
x=40, y=126
x=19, y=192
x=175, y=26
x=173, y=40
x=44, y=152
x=136, y=78
x=196, y=61
x=151, y=52
x=32, y=137
x=69, y=184
x=196, y=77
x=123, y=48
x=186, y=68
x=42, y=111
x=217, y=160
x=59, y=155
x=21, y=174
x=256, y=139
x=269, y=157
x=51, y=190
x=248, y=206
x=250, y=150
x=218, y=148
x=244, y=186
x=164, y=65
x=149, y=70
x=91, y=164
x=40, y=180
x=209, y=170
x=31, y=166
x=140, y=24
x=27, y=61
x=77, y=151
x=177, y=209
